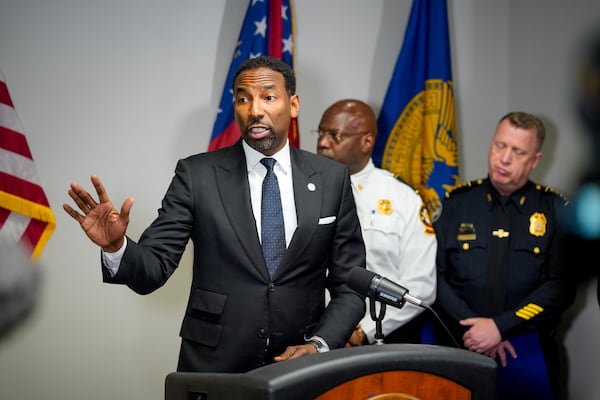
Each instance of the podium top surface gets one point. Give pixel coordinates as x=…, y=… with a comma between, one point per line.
x=307, y=377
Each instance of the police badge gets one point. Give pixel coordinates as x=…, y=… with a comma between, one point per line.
x=537, y=224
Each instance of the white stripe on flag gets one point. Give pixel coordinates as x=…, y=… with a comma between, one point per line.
x=14, y=226
x=19, y=166
x=9, y=118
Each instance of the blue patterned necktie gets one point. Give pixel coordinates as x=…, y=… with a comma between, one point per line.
x=272, y=227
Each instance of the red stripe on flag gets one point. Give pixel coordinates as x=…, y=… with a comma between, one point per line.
x=33, y=233
x=229, y=136
x=21, y=188
x=275, y=29
x=276, y=50
x=4, y=213
x=293, y=134
x=14, y=142
x=4, y=95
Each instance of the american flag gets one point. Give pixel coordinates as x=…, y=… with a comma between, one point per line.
x=25, y=215
x=268, y=29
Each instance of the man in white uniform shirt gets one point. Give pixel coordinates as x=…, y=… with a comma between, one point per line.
x=398, y=235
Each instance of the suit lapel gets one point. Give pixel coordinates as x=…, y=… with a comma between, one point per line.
x=308, y=196
x=233, y=187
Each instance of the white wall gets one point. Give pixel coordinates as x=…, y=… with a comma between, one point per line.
x=124, y=88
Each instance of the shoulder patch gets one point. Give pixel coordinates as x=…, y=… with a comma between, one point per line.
x=425, y=220
x=464, y=186
x=548, y=189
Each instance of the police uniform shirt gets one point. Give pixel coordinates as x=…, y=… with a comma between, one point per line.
x=536, y=293
x=399, y=239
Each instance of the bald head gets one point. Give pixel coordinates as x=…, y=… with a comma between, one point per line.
x=358, y=114
x=348, y=128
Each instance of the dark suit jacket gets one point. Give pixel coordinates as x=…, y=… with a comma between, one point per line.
x=237, y=318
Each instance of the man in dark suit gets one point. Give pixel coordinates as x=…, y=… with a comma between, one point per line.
x=239, y=317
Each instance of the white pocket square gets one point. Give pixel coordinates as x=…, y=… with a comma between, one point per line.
x=326, y=220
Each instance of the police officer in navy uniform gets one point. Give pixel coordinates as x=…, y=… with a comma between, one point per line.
x=499, y=276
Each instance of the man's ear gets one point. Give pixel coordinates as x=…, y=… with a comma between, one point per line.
x=538, y=157
x=368, y=141
x=294, y=105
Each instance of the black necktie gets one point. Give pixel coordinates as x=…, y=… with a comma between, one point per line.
x=272, y=227
x=495, y=288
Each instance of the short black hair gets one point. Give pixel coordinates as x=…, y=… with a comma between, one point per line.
x=272, y=63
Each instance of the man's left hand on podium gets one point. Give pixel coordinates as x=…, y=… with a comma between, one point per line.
x=358, y=338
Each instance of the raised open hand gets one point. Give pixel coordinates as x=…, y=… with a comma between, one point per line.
x=100, y=220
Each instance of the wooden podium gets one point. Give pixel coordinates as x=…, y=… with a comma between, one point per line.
x=375, y=372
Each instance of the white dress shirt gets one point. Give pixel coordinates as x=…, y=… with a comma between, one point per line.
x=400, y=242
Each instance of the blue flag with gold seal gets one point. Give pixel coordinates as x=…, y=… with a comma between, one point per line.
x=416, y=137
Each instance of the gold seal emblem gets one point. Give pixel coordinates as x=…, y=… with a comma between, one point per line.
x=384, y=207
x=537, y=224
x=421, y=148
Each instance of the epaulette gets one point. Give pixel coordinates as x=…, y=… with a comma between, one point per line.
x=548, y=189
x=464, y=186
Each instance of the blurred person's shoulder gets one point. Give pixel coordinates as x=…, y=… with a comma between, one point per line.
x=19, y=286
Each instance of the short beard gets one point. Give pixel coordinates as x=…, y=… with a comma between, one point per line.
x=265, y=144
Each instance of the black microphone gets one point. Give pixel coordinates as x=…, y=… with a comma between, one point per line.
x=369, y=284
